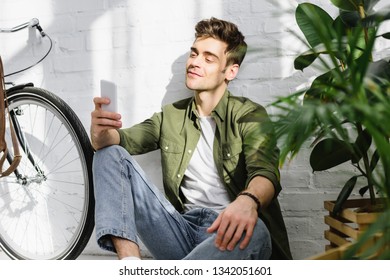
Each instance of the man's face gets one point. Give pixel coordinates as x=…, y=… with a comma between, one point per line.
x=206, y=66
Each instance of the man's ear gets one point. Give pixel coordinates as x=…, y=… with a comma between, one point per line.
x=231, y=72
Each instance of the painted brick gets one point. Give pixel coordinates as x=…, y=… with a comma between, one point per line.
x=143, y=45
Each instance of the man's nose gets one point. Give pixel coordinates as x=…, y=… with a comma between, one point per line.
x=195, y=61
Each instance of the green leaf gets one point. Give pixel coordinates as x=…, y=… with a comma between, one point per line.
x=347, y=5
x=344, y=195
x=353, y=5
x=362, y=144
x=363, y=190
x=374, y=160
x=309, y=18
x=305, y=60
x=350, y=18
x=329, y=153
x=386, y=35
x=321, y=87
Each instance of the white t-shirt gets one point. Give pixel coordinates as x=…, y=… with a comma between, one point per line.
x=202, y=186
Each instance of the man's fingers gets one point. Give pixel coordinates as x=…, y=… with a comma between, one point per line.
x=248, y=235
x=215, y=225
x=109, y=123
x=99, y=101
x=223, y=225
x=227, y=236
x=236, y=237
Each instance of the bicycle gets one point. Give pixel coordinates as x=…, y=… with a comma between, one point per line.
x=47, y=203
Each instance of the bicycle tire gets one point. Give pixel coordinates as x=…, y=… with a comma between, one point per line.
x=50, y=215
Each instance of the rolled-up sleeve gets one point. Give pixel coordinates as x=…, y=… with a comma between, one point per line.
x=143, y=137
x=260, y=148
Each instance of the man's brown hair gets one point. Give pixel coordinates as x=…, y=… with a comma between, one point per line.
x=226, y=32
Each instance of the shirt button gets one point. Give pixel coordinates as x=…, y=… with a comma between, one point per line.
x=228, y=155
x=166, y=147
x=178, y=175
x=189, y=151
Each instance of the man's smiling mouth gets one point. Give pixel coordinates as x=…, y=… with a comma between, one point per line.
x=193, y=73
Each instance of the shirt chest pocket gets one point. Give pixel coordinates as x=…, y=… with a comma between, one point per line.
x=170, y=147
x=231, y=155
x=171, y=157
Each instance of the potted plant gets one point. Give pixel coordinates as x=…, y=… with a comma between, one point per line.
x=346, y=109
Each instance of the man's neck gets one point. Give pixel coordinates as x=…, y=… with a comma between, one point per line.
x=206, y=101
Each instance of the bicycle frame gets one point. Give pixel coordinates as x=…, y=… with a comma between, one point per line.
x=21, y=138
x=33, y=23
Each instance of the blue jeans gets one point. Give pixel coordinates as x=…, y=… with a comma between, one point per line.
x=131, y=207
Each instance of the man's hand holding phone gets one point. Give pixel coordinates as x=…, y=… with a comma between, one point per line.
x=104, y=119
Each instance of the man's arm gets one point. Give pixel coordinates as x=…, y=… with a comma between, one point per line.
x=263, y=189
x=240, y=217
x=104, y=125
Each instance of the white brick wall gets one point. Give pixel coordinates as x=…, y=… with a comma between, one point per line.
x=142, y=46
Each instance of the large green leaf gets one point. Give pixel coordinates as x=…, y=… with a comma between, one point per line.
x=310, y=18
x=329, y=153
x=347, y=5
x=335, y=48
x=349, y=13
x=344, y=195
x=353, y=5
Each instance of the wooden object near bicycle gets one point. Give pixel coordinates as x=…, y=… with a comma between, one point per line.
x=3, y=144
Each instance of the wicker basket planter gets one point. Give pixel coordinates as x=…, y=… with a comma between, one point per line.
x=346, y=228
x=350, y=224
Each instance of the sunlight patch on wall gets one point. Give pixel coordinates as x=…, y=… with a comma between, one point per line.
x=100, y=46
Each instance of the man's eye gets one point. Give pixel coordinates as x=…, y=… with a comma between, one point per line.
x=193, y=54
x=209, y=59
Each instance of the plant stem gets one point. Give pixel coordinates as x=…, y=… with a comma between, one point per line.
x=368, y=170
x=362, y=15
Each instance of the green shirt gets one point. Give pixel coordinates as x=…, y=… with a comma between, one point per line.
x=243, y=149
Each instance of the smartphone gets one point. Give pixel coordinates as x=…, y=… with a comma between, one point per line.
x=108, y=90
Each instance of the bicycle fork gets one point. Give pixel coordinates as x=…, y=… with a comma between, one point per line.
x=24, y=180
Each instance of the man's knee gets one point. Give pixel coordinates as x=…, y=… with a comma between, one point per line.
x=262, y=232
x=262, y=238
x=108, y=152
x=107, y=155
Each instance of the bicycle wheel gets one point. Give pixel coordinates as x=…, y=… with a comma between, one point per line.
x=47, y=205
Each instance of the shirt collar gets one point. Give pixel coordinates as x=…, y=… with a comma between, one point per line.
x=219, y=110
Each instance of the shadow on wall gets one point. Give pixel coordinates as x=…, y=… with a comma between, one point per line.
x=176, y=89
